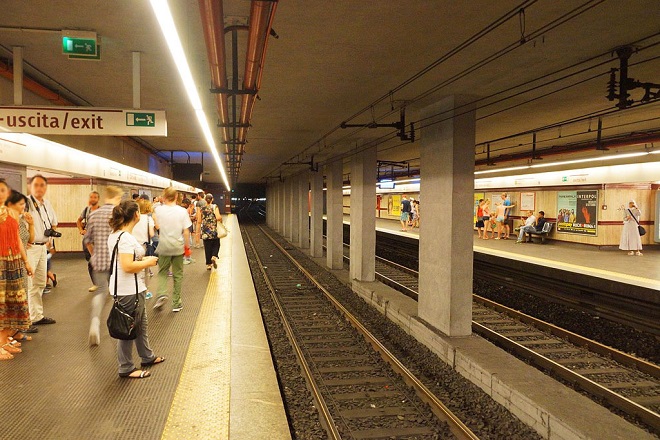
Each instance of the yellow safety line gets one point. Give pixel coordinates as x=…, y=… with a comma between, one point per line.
x=200, y=408
x=608, y=274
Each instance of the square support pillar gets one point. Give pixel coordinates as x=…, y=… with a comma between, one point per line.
x=363, y=217
x=280, y=207
x=445, y=236
x=335, y=215
x=316, y=230
x=295, y=210
x=303, y=210
x=288, y=213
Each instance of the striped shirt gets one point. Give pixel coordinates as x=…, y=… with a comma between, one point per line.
x=98, y=231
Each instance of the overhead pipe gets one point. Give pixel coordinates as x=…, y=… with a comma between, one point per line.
x=262, y=14
x=214, y=36
x=629, y=140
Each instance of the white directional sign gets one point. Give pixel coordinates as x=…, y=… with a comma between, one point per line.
x=84, y=121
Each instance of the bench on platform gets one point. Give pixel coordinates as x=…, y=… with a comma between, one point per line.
x=547, y=227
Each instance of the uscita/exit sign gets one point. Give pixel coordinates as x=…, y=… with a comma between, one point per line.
x=79, y=43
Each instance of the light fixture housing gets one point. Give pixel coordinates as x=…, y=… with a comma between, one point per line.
x=166, y=21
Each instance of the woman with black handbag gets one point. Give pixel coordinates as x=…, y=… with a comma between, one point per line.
x=631, y=241
x=129, y=289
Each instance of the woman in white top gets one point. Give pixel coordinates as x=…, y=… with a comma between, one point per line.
x=129, y=260
x=630, y=239
x=144, y=232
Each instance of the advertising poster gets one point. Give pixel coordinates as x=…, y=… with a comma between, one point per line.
x=394, y=205
x=577, y=212
x=527, y=201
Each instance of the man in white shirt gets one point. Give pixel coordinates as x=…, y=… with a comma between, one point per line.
x=530, y=225
x=45, y=225
x=173, y=223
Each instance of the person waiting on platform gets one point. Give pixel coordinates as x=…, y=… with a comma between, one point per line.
x=172, y=222
x=207, y=228
x=536, y=225
x=480, y=218
x=127, y=260
x=631, y=241
x=416, y=220
x=500, y=217
x=405, y=212
x=14, y=268
x=45, y=225
x=488, y=222
x=83, y=220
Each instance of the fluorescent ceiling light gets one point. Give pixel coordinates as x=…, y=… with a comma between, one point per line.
x=589, y=159
x=164, y=16
x=499, y=170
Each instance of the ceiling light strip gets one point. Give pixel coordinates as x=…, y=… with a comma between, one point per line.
x=166, y=22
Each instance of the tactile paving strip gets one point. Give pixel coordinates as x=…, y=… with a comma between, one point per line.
x=60, y=388
x=200, y=409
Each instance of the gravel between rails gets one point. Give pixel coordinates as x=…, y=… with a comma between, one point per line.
x=487, y=418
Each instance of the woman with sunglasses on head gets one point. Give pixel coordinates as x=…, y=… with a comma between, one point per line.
x=128, y=259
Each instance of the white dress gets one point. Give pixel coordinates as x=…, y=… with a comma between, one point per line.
x=630, y=239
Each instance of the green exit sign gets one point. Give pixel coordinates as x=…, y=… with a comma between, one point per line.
x=140, y=119
x=79, y=46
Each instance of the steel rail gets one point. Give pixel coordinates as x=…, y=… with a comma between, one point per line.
x=326, y=418
x=456, y=426
x=644, y=414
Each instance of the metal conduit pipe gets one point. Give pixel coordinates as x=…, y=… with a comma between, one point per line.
x=29, y=84
x=261, y=20
x=572, y=149
x=214, y=36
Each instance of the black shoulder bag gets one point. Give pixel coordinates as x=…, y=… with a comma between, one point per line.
x=640, y=228
x=149, y=245
x=121, y=324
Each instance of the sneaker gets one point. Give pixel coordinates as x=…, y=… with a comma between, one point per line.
x=186, y=261
x=160, y=301
x=148, y=295
x=177, y=309
x=44, y=320
x=169, y=274
x=639, y=254
x=93, y=289
x=518, y=241
x=215, y=262
x=46, y=290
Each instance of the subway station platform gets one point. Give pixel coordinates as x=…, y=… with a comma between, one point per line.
x=608, y=264
x=217, y=382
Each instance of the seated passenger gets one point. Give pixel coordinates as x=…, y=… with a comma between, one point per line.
x=532, y=224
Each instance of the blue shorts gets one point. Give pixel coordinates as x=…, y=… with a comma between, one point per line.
x=404, y=216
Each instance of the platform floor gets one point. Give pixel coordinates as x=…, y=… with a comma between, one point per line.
x=217, y=381
x=610, y=264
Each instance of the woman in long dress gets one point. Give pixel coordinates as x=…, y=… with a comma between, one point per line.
x=630, y=238
x=14, y=267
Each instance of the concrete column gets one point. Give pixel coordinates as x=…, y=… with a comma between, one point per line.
x=276, y=206
x=335, y=214
x=282, y=208
x=316, y=228
x=295, y=210
x=363, y=216
x=303, y=210
x=286, y=230
x=445, y=236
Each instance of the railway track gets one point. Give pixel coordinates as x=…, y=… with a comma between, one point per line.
x=359, y=392
x=627, y=383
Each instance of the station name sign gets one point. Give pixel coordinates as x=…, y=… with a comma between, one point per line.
x=83, y=121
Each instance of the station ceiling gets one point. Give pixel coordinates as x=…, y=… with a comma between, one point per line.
x=334, y=59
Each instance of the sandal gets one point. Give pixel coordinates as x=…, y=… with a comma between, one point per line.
x=157, y=360
x=14, y=342
x=130, y=375
x=20, y=336
x=10, y=348
x=5, y=355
